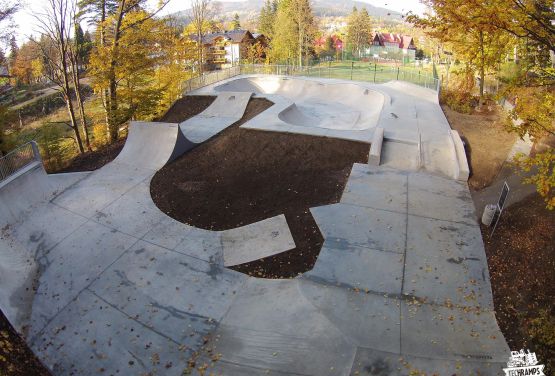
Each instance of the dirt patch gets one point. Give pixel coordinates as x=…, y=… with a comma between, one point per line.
x=181, y=110
x=16, y=359
x=244, y=176
x=186, y=108
x=521, y=259
x=93, y=160
x=488, y=143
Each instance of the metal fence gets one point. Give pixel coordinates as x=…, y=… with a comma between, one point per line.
x=209, y=79
x=18, y=159
x=369, y=73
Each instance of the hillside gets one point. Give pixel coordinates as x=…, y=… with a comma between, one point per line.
x=248, y=10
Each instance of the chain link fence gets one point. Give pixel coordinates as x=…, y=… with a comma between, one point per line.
x=18, y=159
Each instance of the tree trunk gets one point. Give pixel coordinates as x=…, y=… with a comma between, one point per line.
x=112, y=99
x=482, y=68
x=80, y=107
x=74, y=127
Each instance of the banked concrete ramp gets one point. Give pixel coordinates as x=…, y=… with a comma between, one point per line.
x=227, y=109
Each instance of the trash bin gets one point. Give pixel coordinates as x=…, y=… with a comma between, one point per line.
x=489, y=213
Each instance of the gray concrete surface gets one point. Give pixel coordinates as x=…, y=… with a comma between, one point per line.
x=401, y=284
x=227, y=109
x=409, y=114
x=257, y=241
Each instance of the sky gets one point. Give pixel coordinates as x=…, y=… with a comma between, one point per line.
x=26, y=24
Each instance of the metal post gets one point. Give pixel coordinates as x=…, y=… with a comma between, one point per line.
x=375, y=69
x=352, y=67
x=397, y=73
x=36, y=151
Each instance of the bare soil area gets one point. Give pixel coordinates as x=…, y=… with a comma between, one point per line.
x=521, y=259
x=487, y=143
x=244, y=176
x=16, y=359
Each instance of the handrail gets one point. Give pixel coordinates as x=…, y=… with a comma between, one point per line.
x=18, y=159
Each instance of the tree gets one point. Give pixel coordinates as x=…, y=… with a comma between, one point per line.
x=200, y=15
x=26, y=69
x=267, y=18
x=55, y=25
x=83, y=45
x=359, y=31
x=7, y=9
x=236, y=24
x=467, y=27
x=294, y=31
x=111, y=31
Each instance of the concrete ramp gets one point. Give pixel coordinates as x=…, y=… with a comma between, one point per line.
x=227, y=109
x=151, y=145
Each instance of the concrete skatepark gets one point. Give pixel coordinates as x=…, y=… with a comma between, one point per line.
x=401, y=286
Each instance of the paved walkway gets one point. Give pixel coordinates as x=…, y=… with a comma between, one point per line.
x=401, y=285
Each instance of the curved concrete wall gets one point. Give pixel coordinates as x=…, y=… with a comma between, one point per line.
x=342, y=106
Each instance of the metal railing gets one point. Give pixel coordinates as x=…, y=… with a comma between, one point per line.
x=209, y=79
x=370, y=73
x=18, y=159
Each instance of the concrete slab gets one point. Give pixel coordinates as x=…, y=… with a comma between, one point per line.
x=367, y=319
x=359, y=268
x=400, y=156
x=45, y=227
x=223, y=368
x=90, y=336
x=451, y=333
x=204, y=245
x=18, y=270
x=171, y=293
x=101, y=188
x=440, y=198
x=371, y=362
x=72, y=266
x=376, y=188
x=168, y=233
x=272, y=326
x=256, y=241
x=142, y=213
x=347, y=226
x=446, y=263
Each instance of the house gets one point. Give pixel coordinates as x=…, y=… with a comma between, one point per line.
x=227, y=48
x=389, y=45
x=337, y=42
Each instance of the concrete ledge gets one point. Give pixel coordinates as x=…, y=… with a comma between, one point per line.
x=376, y=147
x=464, y=170
x=256, y=241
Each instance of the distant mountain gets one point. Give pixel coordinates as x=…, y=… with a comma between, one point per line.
x=249, y=10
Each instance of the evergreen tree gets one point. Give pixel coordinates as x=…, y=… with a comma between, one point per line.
x=359, y=31
x=235, y=24
x=267, y=18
